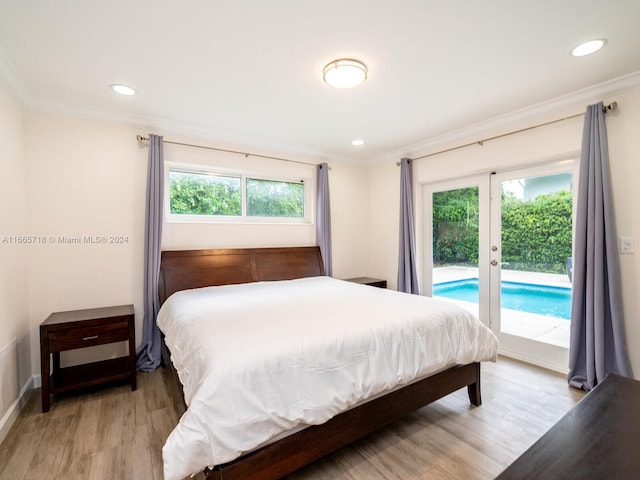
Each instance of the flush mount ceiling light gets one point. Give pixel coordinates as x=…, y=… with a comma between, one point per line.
x=587, y=48
x=345, y=73
x=357, y=142
x=122, y=89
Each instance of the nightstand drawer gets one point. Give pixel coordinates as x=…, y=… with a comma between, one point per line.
x=81, y=337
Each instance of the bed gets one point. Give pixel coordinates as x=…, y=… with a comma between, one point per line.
x=302, y=329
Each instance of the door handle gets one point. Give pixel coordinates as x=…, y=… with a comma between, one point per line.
x=495, y=263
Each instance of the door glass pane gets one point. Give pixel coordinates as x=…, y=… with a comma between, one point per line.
x=455, y=246
x=536, y=238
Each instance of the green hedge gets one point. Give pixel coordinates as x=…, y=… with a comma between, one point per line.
x=455, y=227
x=198, y=194
x=201, y=194
x=536, y=235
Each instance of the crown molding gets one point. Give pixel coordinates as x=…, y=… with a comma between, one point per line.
x=574, y=102
x=167, y=127
x=10, y=77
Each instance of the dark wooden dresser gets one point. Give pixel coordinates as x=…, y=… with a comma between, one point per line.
x=63, y=331
x=596, y=440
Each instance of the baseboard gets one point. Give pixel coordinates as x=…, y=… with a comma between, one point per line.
x=9, y=418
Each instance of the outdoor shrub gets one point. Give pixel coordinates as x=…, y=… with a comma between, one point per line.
x=536, y=234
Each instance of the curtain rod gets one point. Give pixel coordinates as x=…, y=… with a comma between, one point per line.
x=606, y=108
x=140, y=138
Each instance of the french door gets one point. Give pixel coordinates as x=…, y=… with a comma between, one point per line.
x=500, y=246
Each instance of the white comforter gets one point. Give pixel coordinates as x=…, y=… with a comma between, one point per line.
x=260, y=359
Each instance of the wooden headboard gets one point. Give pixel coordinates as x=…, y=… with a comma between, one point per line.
x=184, y=269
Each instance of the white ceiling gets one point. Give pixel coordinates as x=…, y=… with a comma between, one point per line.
x=248, y=72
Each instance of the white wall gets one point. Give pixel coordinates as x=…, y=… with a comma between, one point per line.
x=557, y=141
x=85, y=179
x=349, y=187
x=15, y=366
x=384, y=215
x=623, y=128
x=88, y=178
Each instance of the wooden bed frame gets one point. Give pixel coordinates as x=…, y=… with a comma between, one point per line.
x=186, y=269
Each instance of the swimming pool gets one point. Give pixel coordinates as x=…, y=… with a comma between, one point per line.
x=525, y=297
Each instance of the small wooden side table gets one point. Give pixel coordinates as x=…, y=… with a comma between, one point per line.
x=374, y=282
x=63, y=331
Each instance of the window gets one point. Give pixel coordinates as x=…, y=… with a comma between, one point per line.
x=271, y=198
x=204, y=194
x=210, y=196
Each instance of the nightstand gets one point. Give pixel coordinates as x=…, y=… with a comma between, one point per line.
x=63, y=331
x=374, y=282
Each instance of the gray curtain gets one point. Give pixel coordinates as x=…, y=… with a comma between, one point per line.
x=149, y=352
x=597, y=345
x=407, y=274
x=323, y=217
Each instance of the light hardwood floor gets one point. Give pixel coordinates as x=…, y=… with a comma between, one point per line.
x=114, y=433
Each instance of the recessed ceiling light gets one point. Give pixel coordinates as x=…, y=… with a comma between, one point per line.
x=587, y=48
x=357, y=142
x=122, y=89
x=345, y=73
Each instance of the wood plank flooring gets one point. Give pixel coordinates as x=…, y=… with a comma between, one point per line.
x=113, y=433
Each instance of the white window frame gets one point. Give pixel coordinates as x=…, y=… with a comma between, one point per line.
x=243, y=175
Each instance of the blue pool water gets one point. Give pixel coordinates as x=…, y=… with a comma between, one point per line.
x=525, y=297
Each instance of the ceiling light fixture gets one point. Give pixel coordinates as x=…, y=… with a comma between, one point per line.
x=345, y=73
x=587, y=48
x=122, y=89
x=357, y=142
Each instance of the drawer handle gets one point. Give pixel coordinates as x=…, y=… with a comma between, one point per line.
x=93, y=337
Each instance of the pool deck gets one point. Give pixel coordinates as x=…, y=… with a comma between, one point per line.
x=542, y=328
x=450, y=274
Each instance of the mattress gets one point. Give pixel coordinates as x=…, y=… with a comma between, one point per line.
x=260, y=359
